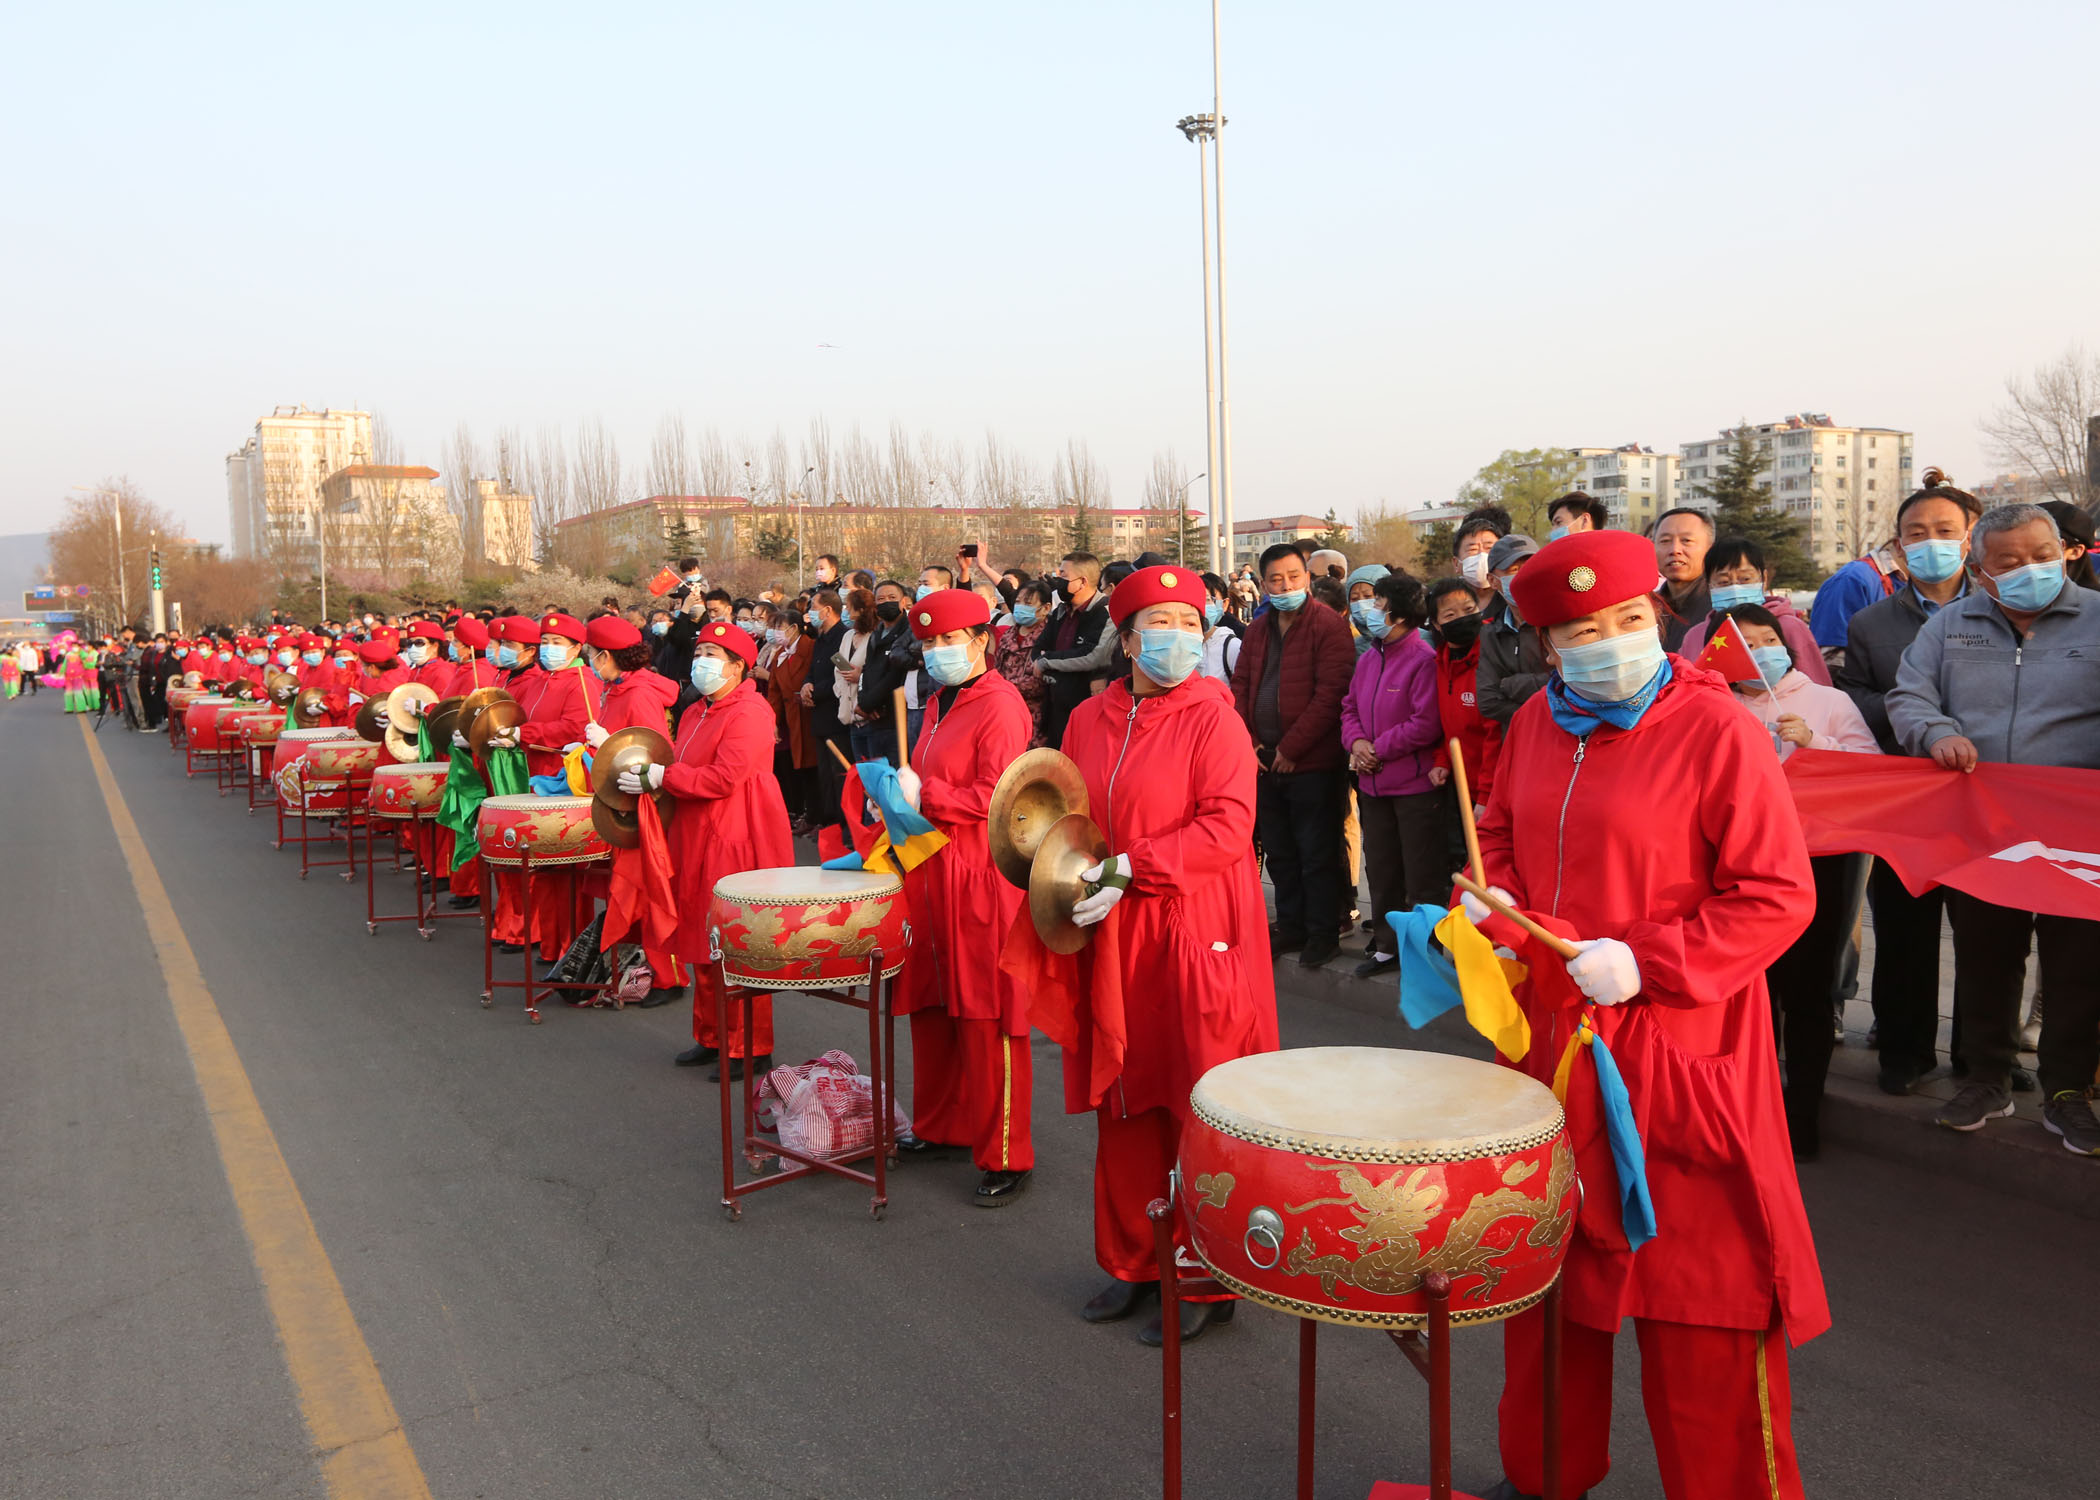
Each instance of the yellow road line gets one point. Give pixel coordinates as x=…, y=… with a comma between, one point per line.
x=363, y=1451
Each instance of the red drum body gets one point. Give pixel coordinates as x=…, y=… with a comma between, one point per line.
x=1327, y=1182
x=258, y=735
x=315, y=796
x=409, y=789
x=180, y=698
x=553, y=830
x=200, y=722
x=801, y=928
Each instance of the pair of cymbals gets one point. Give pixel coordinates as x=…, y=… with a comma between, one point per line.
x=367, y=721
x=309, y=707
x=1041, y=838
x=617, y=814
x=443, y=718
x=282, y=686
x=193, y=679
x=503, y=713
x=403, y=706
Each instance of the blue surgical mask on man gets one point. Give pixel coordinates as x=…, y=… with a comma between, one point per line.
x=1729, y=596
x=553, y=657
x=659, y=627
x=2031, y=588
x=1773, y=662
x=1168, y=656
x=1556, y=533
x=1295, y=599
x=948, y=665
x=1933, y=561
x=1024, y=614
x=810, y=619
x=709, y=673
x=927, y=588
x=1370, y=619
x=1213, y=611
x=1613, y=669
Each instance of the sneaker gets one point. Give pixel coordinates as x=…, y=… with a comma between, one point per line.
x=1976, y=1103
x=2068, y=1115
x=2022, y=1080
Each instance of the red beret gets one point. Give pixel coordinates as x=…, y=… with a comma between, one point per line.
x=516, y=629
x=378, y=653
x=554, y=622
x=946, y=610
x=732, y=638
x=611, y=633
x=470, y=631
x=1583, y=573
x=1167, y=585
x=425, y=630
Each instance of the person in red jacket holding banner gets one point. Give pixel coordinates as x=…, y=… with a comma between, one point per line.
x=1178, y=978
x=1679, y=906
x=731, y=818
x=971, y=1080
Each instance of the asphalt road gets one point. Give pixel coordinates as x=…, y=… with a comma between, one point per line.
x=522, y=1220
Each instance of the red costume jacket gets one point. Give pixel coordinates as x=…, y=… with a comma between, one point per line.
x=472, y=675
x=961, y=906
x=1479, y=737
x=435, y=674
x=362, y=683
x=639, y=699
x=1677, y=837
x=560, y=706
x=730, y=814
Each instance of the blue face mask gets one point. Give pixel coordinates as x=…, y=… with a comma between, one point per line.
x=286, y=658
x=1613, y=669
x=659, y=627
x=1213, y=611
x=2033, y=587
x=925, y=589
x=415, y=656
x=600, y=675
x=1024, y=614
x=1734, y=595
x=179, y=655
x=1370, y=619
x=752, y=628
x=1168, y=656
x=257, y=658
x=709, y=673
x=772, y=637
x=346, y=662
x=1556, y=533
x=1933, y=562
x=948, y=665
x=1295, y=599
x=311, y=658
x=553, y=657
x=1774, y=662
x=503, y=654
x=812, y=621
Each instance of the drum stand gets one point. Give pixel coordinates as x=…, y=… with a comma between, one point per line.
x=191, y=755
x=175, y=733
x=259, y=777
x=226, y=775
x=341, y=824
x=533, y=986
x=1428, y=1350
x=882, y=1071
x=425, y=917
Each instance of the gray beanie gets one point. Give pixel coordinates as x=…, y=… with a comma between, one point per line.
x=1511, y=550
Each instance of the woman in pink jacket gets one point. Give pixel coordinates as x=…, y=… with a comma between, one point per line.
x=1391, y=727
x=1736, y=574
x=1805, y=715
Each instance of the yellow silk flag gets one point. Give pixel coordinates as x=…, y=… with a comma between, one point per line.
x=1484, y=980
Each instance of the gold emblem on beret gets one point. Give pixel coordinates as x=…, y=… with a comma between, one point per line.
x=1581, y=580
x=1166, y=580
x=925, y=618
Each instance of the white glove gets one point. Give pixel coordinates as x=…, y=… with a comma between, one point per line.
x=634, y=783
x=1477, y=909
x=1115, y=869
x=414, y=708
x=908, y=783
x=506, y=739
x=1605, y=970
x=594, y=735
x=356, y=699
x=459, y=741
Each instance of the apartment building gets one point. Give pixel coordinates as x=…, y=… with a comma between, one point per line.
x=274, y=479
x=1844, y=482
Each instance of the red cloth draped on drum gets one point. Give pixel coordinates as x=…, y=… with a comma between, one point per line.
x=640, y=699
x=1677, y=838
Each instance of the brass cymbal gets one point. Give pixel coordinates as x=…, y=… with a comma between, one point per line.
x=367, y=721
x=282, y=686
x=193, y=679
x=443, y=717
x=1054, y=887
x=310, y=707
x=506, y=713
x=633, y=749
x=1031, y=795
x=397, y=711
x=403, y=747
x=479, y=699
x=622, y=830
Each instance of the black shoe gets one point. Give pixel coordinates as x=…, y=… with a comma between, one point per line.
x=461, y=903
x=909, y=1144
x=763, y=1063
x=1118, y=1300
x=1001, y=1188
x=1375, y=965
x=510, y=947
x=1316, y=953
x=1897, y=1080
x=1195, y=1318
x=694, y=1056
x=661, y=994
x=1285, y=942
x=2022, y=1081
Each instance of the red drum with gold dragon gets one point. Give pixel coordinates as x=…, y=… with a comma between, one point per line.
x=200, y=724
x=802, y=928
x=554, y=830
x=290, y=759
x=1327, y=1182
x=408, y=789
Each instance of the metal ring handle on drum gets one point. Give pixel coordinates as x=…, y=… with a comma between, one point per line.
x=1265, y=1226
x=714, y=945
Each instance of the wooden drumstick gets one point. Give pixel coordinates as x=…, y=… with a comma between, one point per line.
x=1502, y=908
x=903, y=726
x=1465, y=809
x=833, y=747
x=585, y=683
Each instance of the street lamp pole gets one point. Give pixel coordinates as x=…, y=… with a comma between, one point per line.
x=1202, y=130
x=116, y=511
x=1217, y=111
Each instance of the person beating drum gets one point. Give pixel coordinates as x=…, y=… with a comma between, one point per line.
x=1635, y=802
x=971, y=1080
x=1169, y=774
x=731, y=818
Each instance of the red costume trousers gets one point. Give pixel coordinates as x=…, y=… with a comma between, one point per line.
x=466, y=880
x=1718, y=1402
x=1133, y=1159
x=709, y=1025
x=554, y=925
x=972, y=1085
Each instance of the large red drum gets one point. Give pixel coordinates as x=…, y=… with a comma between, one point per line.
x=554, y=830
x=1327, y=1182
x=180, y=697
x=200, y=723
x=297, y=799
x=409, y=789
x=258, y=734
x=802, y=928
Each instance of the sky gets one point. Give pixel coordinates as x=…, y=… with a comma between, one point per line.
x=1450, y=230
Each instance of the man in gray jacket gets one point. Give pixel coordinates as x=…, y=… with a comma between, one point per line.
x=2011, y=673
x=1512, y=658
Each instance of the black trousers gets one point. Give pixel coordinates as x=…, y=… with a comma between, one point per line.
x=1406, y=855
x=1906, y=988
x=1298, y=817
x=831, y=781
x=1804, y=984
x=1990, y=970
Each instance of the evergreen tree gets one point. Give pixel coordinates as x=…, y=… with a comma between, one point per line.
x=1743, y=507
x=1079, y=531
x=1190, y=545
x=1334, y=535
x=680, y=539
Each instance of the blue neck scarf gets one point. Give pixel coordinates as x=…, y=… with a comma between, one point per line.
x=1582, y=716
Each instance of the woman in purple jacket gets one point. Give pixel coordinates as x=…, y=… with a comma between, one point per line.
x=1390, y=726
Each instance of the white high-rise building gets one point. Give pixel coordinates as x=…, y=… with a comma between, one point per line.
x=273, y=481
x=1844, y=482
x=1636, y=483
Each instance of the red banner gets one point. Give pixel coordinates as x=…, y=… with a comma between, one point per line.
x=2027, y=837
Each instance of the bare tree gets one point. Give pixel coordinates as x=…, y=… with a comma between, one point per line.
x=461, y=463
x=1383, y=535
x=85, y=547
x=551, y=502
x=598, y=488
x=1077, y=481
x=2041, y=430
x=718, y=472
x=671, y=457
x=1167, y=528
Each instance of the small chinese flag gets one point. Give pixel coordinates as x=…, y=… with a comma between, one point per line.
x=664, y=581
x=1729, y=654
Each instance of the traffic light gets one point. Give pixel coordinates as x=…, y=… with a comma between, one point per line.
x=156, y=570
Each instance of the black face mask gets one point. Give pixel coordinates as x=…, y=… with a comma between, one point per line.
x=888, y=611
x=1461, y=633
x=1061, y=587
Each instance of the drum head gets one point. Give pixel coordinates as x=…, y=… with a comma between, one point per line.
x=804, y=884
x=1377, y=1104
